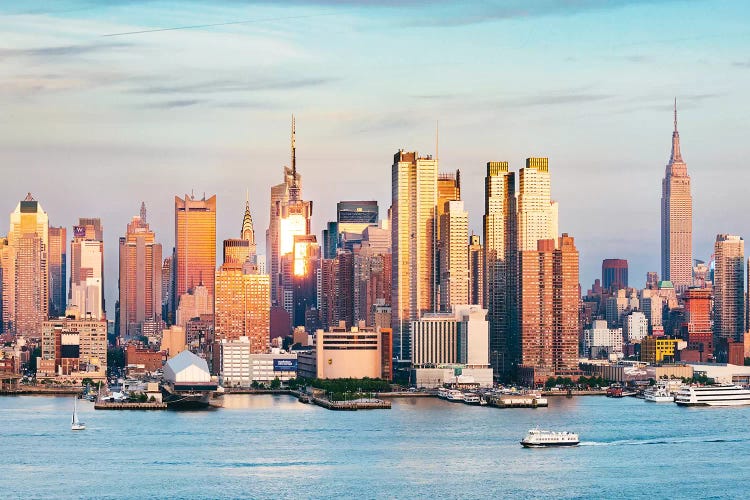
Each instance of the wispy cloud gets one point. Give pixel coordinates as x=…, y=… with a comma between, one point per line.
x=60, y=50
x=236, y=85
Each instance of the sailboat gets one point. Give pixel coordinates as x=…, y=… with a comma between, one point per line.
x=75, y=424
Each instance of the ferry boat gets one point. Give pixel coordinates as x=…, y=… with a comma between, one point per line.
x=472, y=399
x=455, y=396
x=537, y=438
x=713, y=395
x=658, y=394
x=614, y=391
x=442, y=393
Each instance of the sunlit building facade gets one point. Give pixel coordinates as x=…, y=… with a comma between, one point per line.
x=57, y=270
x=195, y=242
x=676, y=219
x=140, y=278
x=454, y=257
x=87, y=267
x=414, y=223
x=729, y=287
x=537, y=213
x=25, y=269
x=549, y=310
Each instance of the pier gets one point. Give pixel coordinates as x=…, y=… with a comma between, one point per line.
x=106, y=405
x=357, y=404
x=517, y=401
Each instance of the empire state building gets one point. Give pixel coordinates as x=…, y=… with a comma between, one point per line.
x=676, y=219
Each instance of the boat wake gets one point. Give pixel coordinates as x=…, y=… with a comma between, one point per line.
x=642, y=442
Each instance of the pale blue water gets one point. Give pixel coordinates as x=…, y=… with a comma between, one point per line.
x=275, y=447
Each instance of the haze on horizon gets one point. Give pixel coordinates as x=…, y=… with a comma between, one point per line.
x=92, y=124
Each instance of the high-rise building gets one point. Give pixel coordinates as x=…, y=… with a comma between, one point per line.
x=614, y=274
x=537, y=213
x=140, y=278
x=372, y=274
x=87, y=267
x=356, y=216
x=336, y=303
x=301, y=269
x=167, y=296
x=243, y=296
x=414, y=221
x=237, y=251
x=193, y=304
x=696, y=328
x=729, y=287
x=476, y=271
x=290, y=220
x=449, y=189
x=500, y=271
x=57, y=256
x=243, y=306
x=454, y=259
x=676, y=219
x=195, y=243
x=25, y=269
x=549, y=306
x=456, y=337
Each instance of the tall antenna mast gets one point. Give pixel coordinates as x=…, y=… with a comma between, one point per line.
x=294, y=189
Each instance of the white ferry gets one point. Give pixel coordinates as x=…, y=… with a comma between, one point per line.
x=472, y=399
x=658, y=394
x=442, y=393
x=539, y=439
x=455, y=396
x=713, y=395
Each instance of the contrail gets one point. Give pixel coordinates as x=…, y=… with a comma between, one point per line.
x=197, y=26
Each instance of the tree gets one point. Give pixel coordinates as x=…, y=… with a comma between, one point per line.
x=276, y=383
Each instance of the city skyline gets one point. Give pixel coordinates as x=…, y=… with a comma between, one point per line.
x=581, y=122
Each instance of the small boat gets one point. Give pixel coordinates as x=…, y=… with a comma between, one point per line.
x=76, y=425
x=472, y=399
x=442, y=393
x=455, y=396
x=537, y=438
x=614, y=391
x=658, y=394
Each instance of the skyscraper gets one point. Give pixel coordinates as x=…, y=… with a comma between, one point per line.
x=729, y=287
x=87, y=267
x=25, y=269
x=549, y=299
x=454, y=258
x=614, y=274
x=676, y=218
x=57, y=270
x=237, y=251
x=195, y=242
x=414, y=220
x=243, y=296
x=476, y=271
x=140, y=278
x=290, y=218
x=537, y=213
x=500, y=255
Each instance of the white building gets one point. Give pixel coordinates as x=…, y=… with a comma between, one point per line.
x=186, y=368
x=459, y=337
x=636, y=327
x=651, y=305
x=240, y=368
x=599, y=337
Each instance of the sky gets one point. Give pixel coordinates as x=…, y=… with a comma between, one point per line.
x=103, y=105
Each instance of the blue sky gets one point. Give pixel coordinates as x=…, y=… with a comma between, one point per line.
x=93, y=124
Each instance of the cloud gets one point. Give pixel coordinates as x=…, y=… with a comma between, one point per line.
x=553, y=99
x=237, y=85
x=60, y=50
x=176, y=103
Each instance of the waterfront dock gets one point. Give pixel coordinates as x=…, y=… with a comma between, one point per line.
x=31, y=390
x=358, y=404
x=106, y=405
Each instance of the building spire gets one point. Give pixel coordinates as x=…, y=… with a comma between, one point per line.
x=676, y=156
x=294, y=189
x=143, y=212
x=248, y=233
